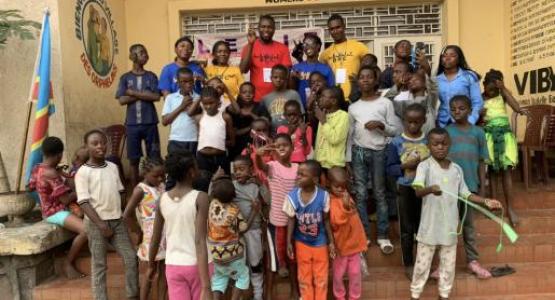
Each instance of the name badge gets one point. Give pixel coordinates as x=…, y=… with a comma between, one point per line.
x=267, y=74
x=341, y=75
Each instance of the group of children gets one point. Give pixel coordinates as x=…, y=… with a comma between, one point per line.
x=252, y=187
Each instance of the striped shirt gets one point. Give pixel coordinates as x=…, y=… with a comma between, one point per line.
x=281, y=180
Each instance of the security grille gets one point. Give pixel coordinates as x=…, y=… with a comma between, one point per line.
x=363, y=23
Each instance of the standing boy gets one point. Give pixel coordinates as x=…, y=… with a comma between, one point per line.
x=138, y=89
x=99, y=193
x=469, y=150
x=274, y=102
x=308, y=208
x=404, y=153
x=343, y=56
x=439, y=182
x=370, y=128
x=261, y=54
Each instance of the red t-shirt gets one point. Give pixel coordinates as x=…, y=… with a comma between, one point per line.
x=265, y=56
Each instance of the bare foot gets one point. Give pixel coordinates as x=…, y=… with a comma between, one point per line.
x=513, y=217
x=71, y=272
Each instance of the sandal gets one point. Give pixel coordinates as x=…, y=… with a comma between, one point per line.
x=502, y=271
x=385, y=246
x=475, y=268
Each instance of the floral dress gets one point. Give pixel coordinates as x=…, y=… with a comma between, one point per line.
x=146, y=211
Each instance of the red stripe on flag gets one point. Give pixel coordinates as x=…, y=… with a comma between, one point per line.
x=35, y=95
x=40, y=128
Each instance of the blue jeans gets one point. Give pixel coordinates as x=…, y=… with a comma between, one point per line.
x=369, y=165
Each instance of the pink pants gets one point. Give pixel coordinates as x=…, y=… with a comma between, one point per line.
x=184, y=282
x=351, y=265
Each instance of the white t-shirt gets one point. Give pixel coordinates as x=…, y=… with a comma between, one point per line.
x=101, y=187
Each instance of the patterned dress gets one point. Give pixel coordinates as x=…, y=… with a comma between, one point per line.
x=501, y=141
x=146, y=211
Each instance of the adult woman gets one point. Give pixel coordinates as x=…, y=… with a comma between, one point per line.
x=454, y=77
x=230, y=75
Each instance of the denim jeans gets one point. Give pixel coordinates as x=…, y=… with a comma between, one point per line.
x=368, y=164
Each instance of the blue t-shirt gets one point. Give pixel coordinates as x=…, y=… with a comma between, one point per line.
x=468, y=148
x=309, y=218
x=168, y=77
x=139, y=112
x=183, y=128
x=305, y=69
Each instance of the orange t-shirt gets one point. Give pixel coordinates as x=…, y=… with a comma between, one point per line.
x=347, y=229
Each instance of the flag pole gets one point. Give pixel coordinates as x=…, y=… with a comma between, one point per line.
x=30, y=101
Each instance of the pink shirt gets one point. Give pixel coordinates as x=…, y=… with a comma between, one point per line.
x=281, y=180
x=300, y=151
x=265, y=56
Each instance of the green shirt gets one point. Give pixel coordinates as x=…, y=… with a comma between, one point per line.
x=331, y=140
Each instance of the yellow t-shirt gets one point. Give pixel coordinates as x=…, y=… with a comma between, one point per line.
x=346, y=55
x=230, y=75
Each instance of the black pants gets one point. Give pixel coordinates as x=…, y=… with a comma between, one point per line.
x=211, y=163
x=409, y=207
x=174, y=146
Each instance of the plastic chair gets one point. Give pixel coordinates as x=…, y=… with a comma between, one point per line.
x=535, y=139
x=116, y=143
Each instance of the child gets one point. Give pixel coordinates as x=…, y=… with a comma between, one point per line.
x=301, y=134
x=370, y=128
x=348, y=235
x=469, y=151
x=281, y=179
x=183, y=129
x=369, y=60
x=399, y=93
x=404, y=153
x=215, y=132
x=243, y=112
x=308, y=207
x=182, y=217
x=230, y=75
x=169, y=81
x=437, y=181
x=260, y=135
x=246, y=194
x=225, y=225
x=300, y=73
x=274, y=102
x=144, y=203
x=138, y=90
x=333, y=128
x=99, y=190
x=55, y=195
x=500, y=139
x=424, y=91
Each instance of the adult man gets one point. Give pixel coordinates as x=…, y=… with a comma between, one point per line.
x=403, y=51
x=343, y=56
x=261, y=54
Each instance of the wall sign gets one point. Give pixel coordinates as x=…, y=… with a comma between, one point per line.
x=95, y=27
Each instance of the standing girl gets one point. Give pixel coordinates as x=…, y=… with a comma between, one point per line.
x=168, y=77
x=183, y=215
x=454, y=77
x=502, y=146
x=144, y=202
x=333, y=128
x=300, y=133
x=220, y=68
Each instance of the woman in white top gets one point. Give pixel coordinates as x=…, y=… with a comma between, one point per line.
x=187, y=260
x=215, y=131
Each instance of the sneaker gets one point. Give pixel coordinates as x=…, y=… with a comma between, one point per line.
x=386, y=246
x=475, y=268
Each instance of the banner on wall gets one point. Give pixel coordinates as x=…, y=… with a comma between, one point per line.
x=236, y=41
x=532, y=52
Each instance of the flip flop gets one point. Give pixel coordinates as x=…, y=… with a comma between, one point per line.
x=502, y=271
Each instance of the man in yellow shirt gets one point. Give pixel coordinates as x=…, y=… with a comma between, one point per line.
x=343, y=56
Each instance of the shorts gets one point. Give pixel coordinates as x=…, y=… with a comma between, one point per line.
x=236, y=270
x=135, y=136
x=58, y=218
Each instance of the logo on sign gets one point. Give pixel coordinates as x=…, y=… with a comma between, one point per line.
x=95, y=28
